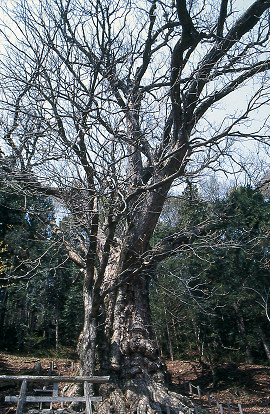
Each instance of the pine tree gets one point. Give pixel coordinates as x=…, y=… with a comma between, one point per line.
x=211, y=295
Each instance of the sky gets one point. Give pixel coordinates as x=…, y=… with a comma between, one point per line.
x=235, y=101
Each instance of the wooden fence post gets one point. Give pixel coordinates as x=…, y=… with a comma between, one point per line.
x=87, y=398
x=21, y=397
x=229, y=408
x=55, y=392
x=209, y=399
x=199, y=392
x=240, y=408
x=217, y=401
x=62, y=403
x=190, y=388
x=221, y=408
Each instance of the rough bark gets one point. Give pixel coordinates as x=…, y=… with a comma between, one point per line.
x=137, y=372
x=87, y=340
x=120, y=341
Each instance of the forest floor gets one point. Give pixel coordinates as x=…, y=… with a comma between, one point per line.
x=248, y=385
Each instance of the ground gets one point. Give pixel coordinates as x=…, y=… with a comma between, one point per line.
x=248, y=385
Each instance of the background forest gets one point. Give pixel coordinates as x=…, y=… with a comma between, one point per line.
x=208, y=301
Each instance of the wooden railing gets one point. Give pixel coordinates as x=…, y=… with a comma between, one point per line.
x=222, y=407
x=54, y=398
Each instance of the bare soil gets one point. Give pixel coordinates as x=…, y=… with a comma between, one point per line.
x=248, y=385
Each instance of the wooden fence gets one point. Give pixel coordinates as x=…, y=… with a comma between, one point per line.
x=217, y=406
x=23, y=398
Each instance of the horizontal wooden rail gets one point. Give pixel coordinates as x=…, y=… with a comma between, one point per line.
x=56, y=378
x=51, y=399
x=23, y=398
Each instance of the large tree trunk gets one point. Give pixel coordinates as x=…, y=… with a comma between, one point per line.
x=132, y=352
x=137, y=372
x=119, y=320
x=126, y=351
x=87, y=340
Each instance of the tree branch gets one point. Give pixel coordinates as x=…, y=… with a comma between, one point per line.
x=242, y=26
x=222, y=18
x=229, y=88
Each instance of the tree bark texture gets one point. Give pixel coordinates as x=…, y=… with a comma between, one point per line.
x=132, y=348
x=120, y=341
x=134, y=363
x=87, y=340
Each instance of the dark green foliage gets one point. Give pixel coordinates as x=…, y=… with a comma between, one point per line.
x=72, y=315
x=37, y=296
x=24, y=231
x=208, y=290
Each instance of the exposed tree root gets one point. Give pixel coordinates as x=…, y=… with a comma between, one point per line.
x=142, y=398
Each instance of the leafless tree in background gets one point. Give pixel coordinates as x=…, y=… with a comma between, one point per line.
x=105, y=105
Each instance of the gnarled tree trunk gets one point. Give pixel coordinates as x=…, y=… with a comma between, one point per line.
x=125, y=348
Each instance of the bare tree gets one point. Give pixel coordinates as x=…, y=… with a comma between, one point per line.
x=105, y=106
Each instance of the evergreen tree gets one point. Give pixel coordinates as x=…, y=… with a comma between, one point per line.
x=210, y=295
x=36, y=277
